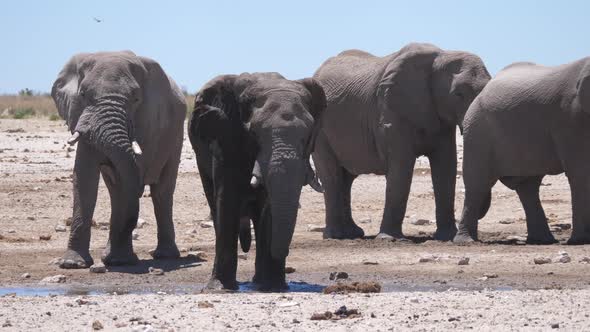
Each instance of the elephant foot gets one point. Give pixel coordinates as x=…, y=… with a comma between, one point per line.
x=547, y=239
x=350, y=232
x=579, y=239
x=162, y=252
x=462, y=238
x=75, y=260
x=446, y=233
x=271, y=286
x=391, y=237
x=216, y=286
x=114, y=258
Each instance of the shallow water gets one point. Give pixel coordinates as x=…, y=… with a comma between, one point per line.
x=245, y=287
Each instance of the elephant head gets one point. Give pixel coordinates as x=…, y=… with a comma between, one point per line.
x=98, y=95
x=264, y=125
x=430, y=87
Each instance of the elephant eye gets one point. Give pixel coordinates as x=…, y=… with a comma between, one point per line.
x=460, y=95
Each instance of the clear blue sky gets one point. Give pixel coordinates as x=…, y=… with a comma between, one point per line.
x=196, y=40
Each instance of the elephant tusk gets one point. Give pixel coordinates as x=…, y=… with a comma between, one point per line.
x=136, y=148
x=316, y=184
x=74, y=139
x=254, y=182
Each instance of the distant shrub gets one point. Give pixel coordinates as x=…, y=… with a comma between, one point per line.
x=54, y=117
x=26, y=92
x=22, y=113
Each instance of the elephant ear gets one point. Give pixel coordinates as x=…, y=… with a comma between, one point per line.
x=582, y=98
x=318, y=97
x=65, y=92
x=405, y=88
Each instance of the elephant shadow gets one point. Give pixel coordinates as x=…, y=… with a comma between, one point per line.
x=166, y=265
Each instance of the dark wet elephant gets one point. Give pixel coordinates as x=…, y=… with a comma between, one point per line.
x=253, y=135
x=127, y=117
x=384, y=112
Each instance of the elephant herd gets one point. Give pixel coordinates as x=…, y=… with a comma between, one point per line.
x=254, y=134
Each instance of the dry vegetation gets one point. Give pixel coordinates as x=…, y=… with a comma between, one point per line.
x=42, y=106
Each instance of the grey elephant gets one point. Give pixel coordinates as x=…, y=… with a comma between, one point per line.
x=127, y=117
x=529, y=121
x=384, y=112
x=252, y=135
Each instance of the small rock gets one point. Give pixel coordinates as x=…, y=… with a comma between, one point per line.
x=289, y=269
x=490, y=275
x=191, y=231
x=10, y=231
x=206, y=224
x=555, y=325
x=205, y=304
x=414, y=300
x=97, y=325
x=25, y=275
x=243, y=256
x=135, y=235
x=45, y=237
x=370, y=263
x=60, y=228
x=585, y=260
x=563, y=257
x=321, y=315
x=31, y=218
x=315, y=228
x=428, y=259
x=516, y=238
x=104, y=228
x=288, y=304
x=155, y=271
x=506, y=221
x=463, y=261
x=98, y=268
x=365, y=221
x=140, y=223
x=338, y=275
x=57, y=279
x=542, y=260
x=420, y=222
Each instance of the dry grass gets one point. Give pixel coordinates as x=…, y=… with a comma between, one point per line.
x=20, y=107
x=42, y=106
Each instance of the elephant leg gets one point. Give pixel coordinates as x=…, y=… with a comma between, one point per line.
x=227, y=223
x=397, y=190
x=477, y=200
x=443, y=165
x=86, y=177
x=337, y=183
x=536, y=221
x=580, y=189
x=124, y=214
x=162, y=198
x=270, y=272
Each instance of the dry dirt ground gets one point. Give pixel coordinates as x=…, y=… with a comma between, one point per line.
x=35, y=197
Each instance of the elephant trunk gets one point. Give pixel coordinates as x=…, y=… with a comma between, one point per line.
x=286, y=176
x=107, y=127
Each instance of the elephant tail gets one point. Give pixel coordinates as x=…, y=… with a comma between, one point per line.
x=245, y=234
x=485, y=206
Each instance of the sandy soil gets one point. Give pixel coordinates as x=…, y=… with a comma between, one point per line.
x=35, y=196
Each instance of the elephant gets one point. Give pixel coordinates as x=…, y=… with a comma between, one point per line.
x=127, y=117
x=384, y=112
x=253, y=134
x=529, y=121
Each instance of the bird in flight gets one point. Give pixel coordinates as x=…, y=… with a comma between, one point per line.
x=97, y=20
